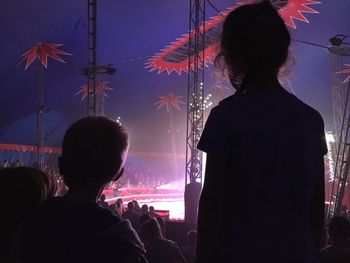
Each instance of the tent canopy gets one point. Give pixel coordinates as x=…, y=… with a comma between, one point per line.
x=129, y=34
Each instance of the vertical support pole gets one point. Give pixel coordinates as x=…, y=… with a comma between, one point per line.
x=92, y=63
x=195, y=109
x=341, y=111
x=40, y=118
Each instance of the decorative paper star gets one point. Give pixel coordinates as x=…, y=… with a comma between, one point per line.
x=170, y=100
x=346, y=71
x=174, y=57
x=293, y=10
x=101, y=88
x=42, y=51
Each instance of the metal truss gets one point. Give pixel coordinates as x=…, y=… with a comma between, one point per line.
x=195, y=96
x=341, y=110
x=92, y=63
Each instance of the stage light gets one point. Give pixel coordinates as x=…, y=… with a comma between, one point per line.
x=118, y=120
x=338, y=40
x=100, y=69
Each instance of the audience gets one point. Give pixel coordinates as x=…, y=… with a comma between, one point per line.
x=75, y=228
x=137, y=207
x=118, y=207
x=151, y=212
x=189, y=249
x=159, y=249
x=144, y=209
x=21, y=191
x=263, y=197
x=144, y=218
x=102, y=201
x=132, y=216
x=338, y=230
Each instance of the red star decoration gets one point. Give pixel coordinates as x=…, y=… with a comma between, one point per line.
x=101, y=88
x=294, y=10
x=160, y=64
x=291, y=10
x=346, y=71
x=42, y=51
x=165, y=60
x=170, y=100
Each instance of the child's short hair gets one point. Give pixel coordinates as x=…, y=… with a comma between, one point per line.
x=93, y=151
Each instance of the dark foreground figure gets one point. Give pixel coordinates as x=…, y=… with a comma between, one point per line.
x=75, y=228
x=263, y=196
x=159, y=249
x=338, y=251
x=21, y=191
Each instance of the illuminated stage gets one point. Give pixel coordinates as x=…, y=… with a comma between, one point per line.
x=161, y=199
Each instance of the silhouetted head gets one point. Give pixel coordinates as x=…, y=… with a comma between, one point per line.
x=144, y=218
x=144, y=209
x=254, y=45
x=102, y=198
x=21, y=191
x=131, y=206
x=93, y=152
x=338, y=229
x=119, y=202
x=192, y=236
x=150, y=230
x=24, y=186
x=151, y=209
x=136, y=205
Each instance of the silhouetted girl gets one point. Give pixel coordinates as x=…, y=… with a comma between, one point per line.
x=263, y=194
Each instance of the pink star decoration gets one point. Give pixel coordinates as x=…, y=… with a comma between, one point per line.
x=168, y=59
x=42, y=51
x=170, y=100
x=101, y=88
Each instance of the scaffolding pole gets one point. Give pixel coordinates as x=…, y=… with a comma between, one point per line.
x=341, y=111
x=40, y=118
x=92, y=58
x=195, y=108
x=195, y=95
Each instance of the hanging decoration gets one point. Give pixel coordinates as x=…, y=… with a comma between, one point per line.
x=170, y=100
x=101, y=88
x=291, y=10
x=174, y=57
x=42, y=51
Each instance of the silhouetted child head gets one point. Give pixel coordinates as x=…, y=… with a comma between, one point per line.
x=93, y=152
x=24, y=187
x=254, y=43
x=21, y=191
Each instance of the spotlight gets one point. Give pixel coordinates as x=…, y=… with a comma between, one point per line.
x=101, y=69
x=338, y=40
